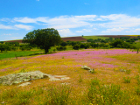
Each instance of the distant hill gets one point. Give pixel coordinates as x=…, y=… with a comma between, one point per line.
x=78, y=38
x=84, y=38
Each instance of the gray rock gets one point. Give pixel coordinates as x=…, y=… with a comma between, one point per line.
x=91, y=71
x=24, y=84
x=22, y=77
x=58, y=78
x=12, y=79
x=86, y=67
x=122, y=70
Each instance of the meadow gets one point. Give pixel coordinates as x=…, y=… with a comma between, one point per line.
x=115, y=80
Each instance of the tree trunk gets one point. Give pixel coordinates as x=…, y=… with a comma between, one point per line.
x=46, y=50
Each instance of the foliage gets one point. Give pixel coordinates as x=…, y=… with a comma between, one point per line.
x=43, y=38
x=63, y=43
x=58, y=95
x=61, y=48
x=126, y=79
x=106, y=94
x=76, y=47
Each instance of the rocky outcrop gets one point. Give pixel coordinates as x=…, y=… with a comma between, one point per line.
x=29, y=76
x=88, y=68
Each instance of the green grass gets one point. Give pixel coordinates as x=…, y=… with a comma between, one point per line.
x=95, y=37
x=12, y=54
x=137, y=44
x=106, y=94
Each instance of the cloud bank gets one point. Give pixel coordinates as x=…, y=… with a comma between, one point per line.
x=75, y=25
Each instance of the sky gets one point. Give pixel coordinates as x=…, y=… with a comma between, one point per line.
x=69, y=17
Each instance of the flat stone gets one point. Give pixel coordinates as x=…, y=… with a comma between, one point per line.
x=28, y=76
x=86, y=67
x=24, y=84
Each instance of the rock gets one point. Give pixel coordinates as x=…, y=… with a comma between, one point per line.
x=122, y=70
x=12, y=79
x=91, y=71
x=86, y=67
x=25, y=84
x=22, y=77
x=58, y=77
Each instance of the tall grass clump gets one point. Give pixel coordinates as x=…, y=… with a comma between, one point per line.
x=58, y=95
x=16, y=97
x=106, y=94
x=126, y=79
x=80, y=79
x=138, y=79
x=137, y=90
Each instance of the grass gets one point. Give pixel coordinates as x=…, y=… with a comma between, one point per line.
x=137, y=44
x=95, y=37
x=126, y=79
x=107, y=95
x=15, y=54
x=105, y=87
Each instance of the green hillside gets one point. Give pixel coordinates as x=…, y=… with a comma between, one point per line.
x=95, y=37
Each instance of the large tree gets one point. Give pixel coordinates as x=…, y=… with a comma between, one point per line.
x=43, y=38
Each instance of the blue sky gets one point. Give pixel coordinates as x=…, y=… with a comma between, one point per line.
x=69, y=17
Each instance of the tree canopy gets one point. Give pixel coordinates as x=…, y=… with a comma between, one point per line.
x=43, y=38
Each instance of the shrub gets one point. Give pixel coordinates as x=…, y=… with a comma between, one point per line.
x=106, y=95
x=76, y=47
x=137, y=90
x=126, y=79
x=61, y=48
x=58, y=95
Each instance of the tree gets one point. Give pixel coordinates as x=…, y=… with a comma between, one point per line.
x=43, y=38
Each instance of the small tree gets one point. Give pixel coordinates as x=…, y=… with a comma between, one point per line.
x=76, y=47
x=43, y=38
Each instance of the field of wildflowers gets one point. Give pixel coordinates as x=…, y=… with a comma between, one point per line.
x=115, y=80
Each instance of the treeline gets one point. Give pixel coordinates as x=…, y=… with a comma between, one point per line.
x=14, y=46
x=122, y=42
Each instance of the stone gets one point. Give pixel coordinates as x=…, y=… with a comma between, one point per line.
x=58, y=78
x=17, y=78
x=91, y=71
x=122, y=70
x=24, y=84
x=22, y=77
x=86, y=67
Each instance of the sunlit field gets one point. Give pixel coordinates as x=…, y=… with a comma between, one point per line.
x=116, y=79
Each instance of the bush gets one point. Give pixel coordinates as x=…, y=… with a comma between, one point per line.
x=76, y=47
x=106, y=94
x=58, y=95
x=61, y=48
x=25, y=47
x=126, y=79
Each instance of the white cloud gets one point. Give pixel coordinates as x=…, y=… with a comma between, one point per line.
x=5, y=27
x=24, y=20
x=65, y=32
x=119, y=20
x=7, y=34
x=84, y=23
x=114, y=30
x=136, y=30
x=84, y=30
x=26, y=27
